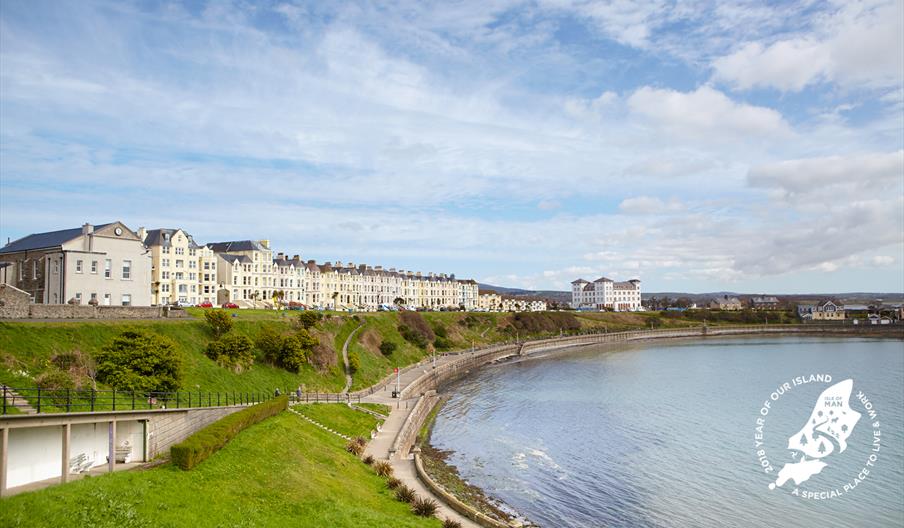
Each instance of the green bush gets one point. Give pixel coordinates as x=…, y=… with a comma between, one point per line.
x=220, y=322
x=233, y=351
x=199, y=446
x=440, y=331
x=441, y=343
x=140, y=362
x=544, y=322
x=269, y=342
x=354, y=362
x=293, y=354
x=387, y=348
x=309, y=319
x=424, y=507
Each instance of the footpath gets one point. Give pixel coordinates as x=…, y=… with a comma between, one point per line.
x=379, y=447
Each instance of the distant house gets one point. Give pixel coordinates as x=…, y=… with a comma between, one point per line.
x=764, y=303
x=725, y=303
x=821, y=311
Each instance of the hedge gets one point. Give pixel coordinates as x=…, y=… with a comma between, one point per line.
x=197, y=447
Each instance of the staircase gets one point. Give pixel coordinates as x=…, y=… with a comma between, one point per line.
x=14, y=400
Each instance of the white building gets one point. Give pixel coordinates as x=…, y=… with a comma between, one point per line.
x=606, y=294
x=183, y=271
x=106, y=265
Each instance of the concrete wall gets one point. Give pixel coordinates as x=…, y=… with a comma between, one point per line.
x=171, y=428
x=14, y=302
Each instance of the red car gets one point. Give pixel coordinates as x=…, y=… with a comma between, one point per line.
x=205, y=305
x=230, y=305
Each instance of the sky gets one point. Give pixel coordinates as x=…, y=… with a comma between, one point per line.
x=698, y=146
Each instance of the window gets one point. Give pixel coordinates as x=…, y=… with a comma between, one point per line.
x=192, y=252
x=78, y=298
x=93, y=298
x=78, y=266
x=192, y=276
x=166, y=250
x=192, y=264
x=164, y=263
x=127, y=275
x=94, y=267
x=166, y=275
x=179, y=275
x=180, y=251
x=108, y=269
x=34, y=269
x=183, y=288
x=207, y=265
x=106, y=299
x=179, y=263
x=126, y=299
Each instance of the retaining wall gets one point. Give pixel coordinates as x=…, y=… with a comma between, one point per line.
x=68, y=311
x=452, y=501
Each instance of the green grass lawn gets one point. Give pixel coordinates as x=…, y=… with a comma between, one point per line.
x=376, y=407
x=281, y=472
x=340, y=418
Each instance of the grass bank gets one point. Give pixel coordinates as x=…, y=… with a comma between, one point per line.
x=281, y=472
x=340, y=418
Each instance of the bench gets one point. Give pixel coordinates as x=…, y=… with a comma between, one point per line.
x=123, y=453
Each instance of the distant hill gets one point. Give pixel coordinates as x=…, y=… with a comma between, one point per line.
x=849, y=297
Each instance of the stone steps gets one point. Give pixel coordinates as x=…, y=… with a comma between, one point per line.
x=13, y=399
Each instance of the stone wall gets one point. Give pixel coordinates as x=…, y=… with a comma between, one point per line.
x=13, y=307
x=13, y=302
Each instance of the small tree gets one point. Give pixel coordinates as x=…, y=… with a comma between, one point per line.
x=270, y=343
x=387, y=348
x=233, y=351
x=140, y=362
x=354, y=362
x=292, y=354
x=309, y=319
x=399, y=301
x=219, y=321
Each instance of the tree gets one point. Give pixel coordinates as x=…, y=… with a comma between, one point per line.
x=270, y=343
x=354, y=363
x=293, y=354
x=335, y=294
x=309, y=319
x=219, y=321
x=141, y=362
x=233, y=351
x=398, y=301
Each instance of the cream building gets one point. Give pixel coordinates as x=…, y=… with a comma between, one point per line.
x=246, y=272
x=105, y=265
x=183, y=272
x=606, y=294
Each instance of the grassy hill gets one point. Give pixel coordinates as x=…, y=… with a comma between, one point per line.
x=281, y=472
x=27, y=348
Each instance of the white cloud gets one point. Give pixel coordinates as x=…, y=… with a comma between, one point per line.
x=649, y=205
x=866, y=172
x=860, y=44
x=707, y=113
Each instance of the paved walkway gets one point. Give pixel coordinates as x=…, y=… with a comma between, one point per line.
x=348, y=373
x=403, y=469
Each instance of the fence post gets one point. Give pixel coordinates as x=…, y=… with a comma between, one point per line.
x=218, y=398
x=133, y=400
x=68, y=401
x=93, y=397
x=4, y=399
x=114, y=398
x=208, y=399
x=177, y=399
x=39, y=400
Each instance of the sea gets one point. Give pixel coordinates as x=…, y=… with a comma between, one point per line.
x=687, y=433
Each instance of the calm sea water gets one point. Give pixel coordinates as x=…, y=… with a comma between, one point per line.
x=662, y=434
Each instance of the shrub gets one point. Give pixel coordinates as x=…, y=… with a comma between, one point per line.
x=393, y=483
x=383, y=468
x=354, y=448
x=387, y=348
x=449, y=523
x=354, y=362
x=405, y=494
x=440, y=331
x=538, y=322
x=414, y=329
x=55, y=383
x=292, y=355
x=269, y=342
x=360, y=441
x=441, y=343
x=199, y=446
x=424, y=507
x=140, y=362
x=220, y=322
x=233, y=351
x=309, y=319
x=369, y=460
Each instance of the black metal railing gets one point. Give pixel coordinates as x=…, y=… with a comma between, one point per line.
x=43, y=400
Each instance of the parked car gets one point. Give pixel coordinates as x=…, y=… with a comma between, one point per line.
x=230, y=305
x=206, y=304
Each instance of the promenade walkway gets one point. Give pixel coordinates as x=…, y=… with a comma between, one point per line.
x=403, y=468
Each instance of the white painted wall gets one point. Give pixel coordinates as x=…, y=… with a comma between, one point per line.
x=34, y=454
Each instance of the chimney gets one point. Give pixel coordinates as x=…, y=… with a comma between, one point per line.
x=88, y=233
x=351, y=264
x=338, y=264
x=142, y=233
x=296, y=257
x=87, y=229
x=380, y=268
x=281, y=256
x=265, y=243
x=311, y=261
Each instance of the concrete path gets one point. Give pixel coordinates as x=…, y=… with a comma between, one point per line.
x=348, y=374
x=403, y=469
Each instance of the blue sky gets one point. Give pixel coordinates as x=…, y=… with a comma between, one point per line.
x=697, y=146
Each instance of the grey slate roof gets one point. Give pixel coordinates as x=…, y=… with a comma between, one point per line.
x=236, y=245
x=45, y=240
x=162, y=237
x=232, y=258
